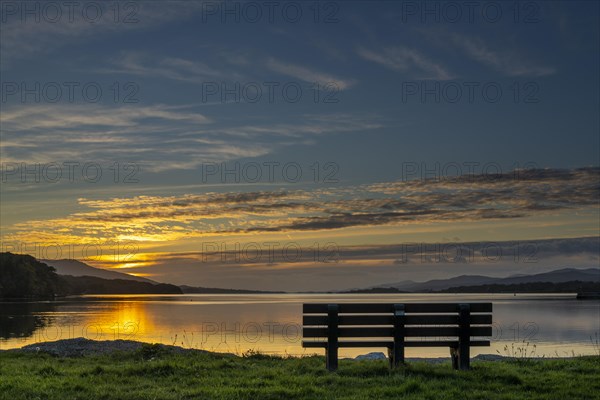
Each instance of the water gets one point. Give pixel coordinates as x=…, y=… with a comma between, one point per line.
x=536, y=324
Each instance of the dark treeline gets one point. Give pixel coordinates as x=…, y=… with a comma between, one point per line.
x=203, y=290
x=95, y=285
x=532, y=287
x=376, y=290
x=22, y=276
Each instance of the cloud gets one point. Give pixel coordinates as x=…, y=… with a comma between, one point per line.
x=185, y=70
x=391, y=203
x=98, y=133
x=507, y=62
x=62, y=116
x=158, y=137
x=406, y=60
x=308, y=75
x=179, y=69
x=23, y=39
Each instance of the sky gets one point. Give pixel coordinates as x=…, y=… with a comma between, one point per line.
x=302, y=145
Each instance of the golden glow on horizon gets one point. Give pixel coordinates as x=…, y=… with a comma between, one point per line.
x=130, y=265
x=140, y=275
x=139, y=238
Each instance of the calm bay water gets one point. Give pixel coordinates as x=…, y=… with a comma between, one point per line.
x=556, y=324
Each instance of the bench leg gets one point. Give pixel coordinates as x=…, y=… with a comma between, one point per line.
x=464, y=336
x=396, y=352
x=331, y=354
x=460, y=357
x=396, y=356
x=454, y=357
x=332, y=337
x=464, y=358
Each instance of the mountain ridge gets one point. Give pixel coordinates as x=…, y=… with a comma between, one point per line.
x=566, y=274
x=78, y=268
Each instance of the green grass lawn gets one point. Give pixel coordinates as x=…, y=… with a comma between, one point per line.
x=155, y=374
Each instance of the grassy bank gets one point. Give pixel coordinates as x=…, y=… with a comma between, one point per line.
x=152, y=373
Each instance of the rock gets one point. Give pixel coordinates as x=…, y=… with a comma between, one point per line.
x=371, y=356
x=489, y=357
x=81, y=347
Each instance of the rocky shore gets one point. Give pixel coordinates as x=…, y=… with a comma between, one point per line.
x=83, y=347
x=79, y=347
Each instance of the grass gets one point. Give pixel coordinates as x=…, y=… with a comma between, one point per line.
x=155, y=374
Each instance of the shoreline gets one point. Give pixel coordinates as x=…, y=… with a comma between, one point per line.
x=82, y=347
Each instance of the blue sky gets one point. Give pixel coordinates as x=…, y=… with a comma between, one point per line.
x=397, y=90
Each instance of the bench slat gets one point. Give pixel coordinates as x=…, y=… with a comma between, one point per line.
x=389, y=332
x=382, y=308
x=477, y=319
x=389, y=344
x=349, y=344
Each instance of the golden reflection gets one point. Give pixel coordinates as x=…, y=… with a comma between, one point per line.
x=124, y=320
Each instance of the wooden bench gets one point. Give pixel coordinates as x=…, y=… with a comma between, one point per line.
x=391, y=325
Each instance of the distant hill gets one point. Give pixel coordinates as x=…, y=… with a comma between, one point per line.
x=95, y=285
x=531, y=287
x=436, y=285
x=22, y=276
x=78, y=268
x=557, y=276
x=375, y=290
x=203, y=290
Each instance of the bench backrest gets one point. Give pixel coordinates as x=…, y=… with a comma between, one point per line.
x=377, y=320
